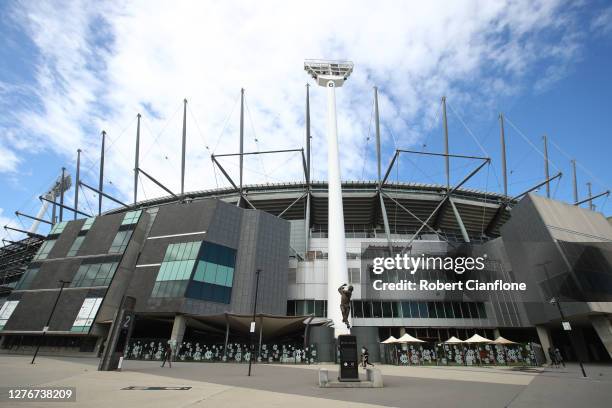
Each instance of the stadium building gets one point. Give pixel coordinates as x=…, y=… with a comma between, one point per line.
x=193, y=267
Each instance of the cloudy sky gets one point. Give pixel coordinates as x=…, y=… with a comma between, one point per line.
x=69, y=70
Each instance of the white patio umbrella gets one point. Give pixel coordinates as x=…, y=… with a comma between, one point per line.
x=406, y=338
x=477, y=339
x=390, y=340
x=455, y=340
x=504, y=343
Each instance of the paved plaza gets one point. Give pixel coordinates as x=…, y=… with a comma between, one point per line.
x=227, y=385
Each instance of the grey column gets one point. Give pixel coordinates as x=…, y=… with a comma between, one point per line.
x=226, y=337
x=603, y=327
x=545, y=342
x=260, y=336
x=178, y=331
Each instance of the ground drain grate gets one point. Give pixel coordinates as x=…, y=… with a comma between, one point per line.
x=139, y=388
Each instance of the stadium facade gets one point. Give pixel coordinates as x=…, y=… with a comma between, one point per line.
x=190, y=266
x=188, y=261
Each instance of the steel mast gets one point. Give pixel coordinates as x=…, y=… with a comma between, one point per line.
x=332, y=74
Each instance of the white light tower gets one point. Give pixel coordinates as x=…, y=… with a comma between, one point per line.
x=332, y=74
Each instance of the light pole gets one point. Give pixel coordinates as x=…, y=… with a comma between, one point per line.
x=554, y=301
x=332, y=74
x=63, y=283
x=252, y=330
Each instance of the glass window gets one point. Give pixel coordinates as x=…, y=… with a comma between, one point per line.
x=310, y=307
x=376, y=309
x=482, y=312
x=319, y=308
x=211, y=272
x=27, y=278
x=94, y=275
x=102, y=278
x=181, y=266
x=213, y=276
x=88, y=223
x=357, y=309
x=457, y=310
x=220, y=276
x=414, y=309
x=291, y=308
x=395, y=309
x=195, y=250
x=45, y=248
x=131, y=217
x=465, y=310
x=86, y=315
x=367, y=309
x=58, y=228
x=448, y=307
x=386, y=309
x=120, y=242
x=354, y=275
x=300, y=307
x=440, y=310
x=229, y=282
x=473, y=310
x=6, y=311
x=199, y=273
x=91, y=273
x=180, y=252
x=423, y=310
x=406, y=309
x=431, y=307
x=76, y=245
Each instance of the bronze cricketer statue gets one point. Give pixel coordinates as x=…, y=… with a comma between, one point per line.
x=346, y=292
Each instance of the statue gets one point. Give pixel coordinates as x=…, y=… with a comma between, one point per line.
x=346, y=292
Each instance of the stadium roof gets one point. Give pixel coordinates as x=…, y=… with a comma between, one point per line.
x=481, y=212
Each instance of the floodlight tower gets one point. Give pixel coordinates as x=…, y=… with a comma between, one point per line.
x=332, y=74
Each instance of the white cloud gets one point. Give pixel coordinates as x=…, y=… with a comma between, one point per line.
x=602, y=23
x=9, y=161
x=101, y=64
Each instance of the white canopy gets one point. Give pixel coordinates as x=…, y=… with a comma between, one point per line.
x=477, y=339
x=406, y=338
x=501, y=340
x=390, y=340
x=453, y=340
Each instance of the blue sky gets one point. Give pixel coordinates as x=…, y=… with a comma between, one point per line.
x=70, y=69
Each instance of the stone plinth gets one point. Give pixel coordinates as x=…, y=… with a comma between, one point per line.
x=373, y=375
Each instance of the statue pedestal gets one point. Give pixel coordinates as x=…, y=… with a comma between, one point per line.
x=374, y=379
